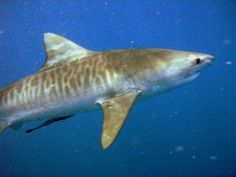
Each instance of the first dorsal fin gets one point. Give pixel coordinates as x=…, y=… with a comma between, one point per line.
x=59, y=48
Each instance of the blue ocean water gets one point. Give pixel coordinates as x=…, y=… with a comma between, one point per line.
x=190, y=131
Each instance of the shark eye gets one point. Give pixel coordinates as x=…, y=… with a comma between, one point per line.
x=198, y=60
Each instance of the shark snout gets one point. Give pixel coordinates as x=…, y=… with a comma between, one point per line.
x=208, y=58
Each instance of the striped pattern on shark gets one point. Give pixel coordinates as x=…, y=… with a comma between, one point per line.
x=75, y=79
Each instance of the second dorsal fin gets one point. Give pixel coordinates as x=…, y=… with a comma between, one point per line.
x=59, y=48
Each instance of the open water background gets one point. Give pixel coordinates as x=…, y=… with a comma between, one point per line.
x=190, y=131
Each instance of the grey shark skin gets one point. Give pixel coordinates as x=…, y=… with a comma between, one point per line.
x=74, y=79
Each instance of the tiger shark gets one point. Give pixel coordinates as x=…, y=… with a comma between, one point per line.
x=74, y=79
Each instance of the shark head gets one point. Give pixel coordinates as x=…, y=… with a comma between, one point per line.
x=179, y=67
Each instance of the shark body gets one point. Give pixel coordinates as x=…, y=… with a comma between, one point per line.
x=75, y=79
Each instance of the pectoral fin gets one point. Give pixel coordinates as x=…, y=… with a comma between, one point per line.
x=115, y=112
